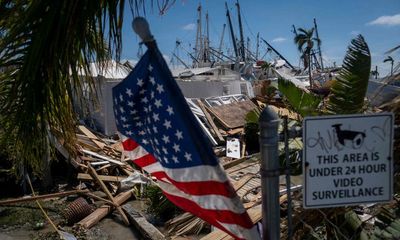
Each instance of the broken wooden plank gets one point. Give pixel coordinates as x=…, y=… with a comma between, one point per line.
x=233, y=115
x=92, y=137
x=147, y=229
x=105, y=209
x=37, y=197
x=103, y=157
x=104, y=178
x=107, y=192
x=210, y=120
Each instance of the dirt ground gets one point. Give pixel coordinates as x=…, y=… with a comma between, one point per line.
x=25, y=221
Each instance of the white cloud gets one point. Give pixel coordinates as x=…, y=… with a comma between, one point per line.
x=386, y=20
x=278, y=39
x=189, y=27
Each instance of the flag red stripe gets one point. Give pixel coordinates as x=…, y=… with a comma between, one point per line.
x=145, y=160
x=129, y=144
x=212, y=216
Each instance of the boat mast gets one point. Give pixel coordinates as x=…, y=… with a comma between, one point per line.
x=199, y=42
x=319, y=44
x=231, y=30
x=222, y=39
x=242, y=49
x=207, y=41
x=258, y=45
x=277, y=53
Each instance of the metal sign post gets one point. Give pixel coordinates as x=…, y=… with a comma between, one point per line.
x=269, y=123
x=347, y=160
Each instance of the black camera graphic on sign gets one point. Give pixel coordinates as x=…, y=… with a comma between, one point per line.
x=347, y=137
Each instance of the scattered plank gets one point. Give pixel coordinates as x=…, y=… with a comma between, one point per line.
x=92, y=137
x=45, y=196
x=104, y=178
x=147, y=230
x=102, y=211
x=210, y=120
x=107, y=192
x=103, y=157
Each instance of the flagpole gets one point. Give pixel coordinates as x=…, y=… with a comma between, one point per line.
x=141, y=28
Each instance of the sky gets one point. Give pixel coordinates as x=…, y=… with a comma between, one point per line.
x=338, y=22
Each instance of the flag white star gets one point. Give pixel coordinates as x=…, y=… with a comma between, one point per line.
x=133, y=112
x=130, y=104
x=160, y=88
x=167, y=124
x=126, y=125
x=146, y=110
x=176, y=147
x=175, y=159
x=152, y=94
x=115, y=100
x=179, y=134
x=121, y=97
x=144, y=141
x=170, y=110
x=123, y=119
x=129, y=132
x=155, y=129
x=144, y=100
x=121, y=109
x=166, y=160
x=150, y=68
x=152, y=80
x=142, y=91
x=141, y=133
x=115, y=111
x=129, y=92
x=156, y=141
x=165, y=150
x=158, y=103
x=139, y=124
x=140, y=82
x=150, y=108
x=188, y=157
x=156, y=117
x=165, y=139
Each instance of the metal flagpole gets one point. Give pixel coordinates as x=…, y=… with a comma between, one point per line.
x=269, y=123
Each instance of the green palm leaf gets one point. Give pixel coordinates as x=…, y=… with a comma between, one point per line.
x=43, y=44
x=304, y=103
x=348, y=92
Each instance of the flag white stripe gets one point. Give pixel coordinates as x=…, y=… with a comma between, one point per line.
x=201, y=173
x=154, y=167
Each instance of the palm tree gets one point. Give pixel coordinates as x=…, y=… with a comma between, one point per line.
x=390, y=59
x=305, y=42
x=42, y=46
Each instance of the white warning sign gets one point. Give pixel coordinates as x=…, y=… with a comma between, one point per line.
x=347, y=160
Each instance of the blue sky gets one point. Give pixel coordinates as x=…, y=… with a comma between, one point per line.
x=338, y=22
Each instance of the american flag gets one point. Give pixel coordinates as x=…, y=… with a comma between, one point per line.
x=161, y=135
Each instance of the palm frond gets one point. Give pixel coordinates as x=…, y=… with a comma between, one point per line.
x=304, y=103
x=388, y=59
x=392, y=50
x=348, y=91
x=45, y=47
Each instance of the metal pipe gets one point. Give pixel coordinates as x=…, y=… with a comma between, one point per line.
x=288, y=183
x=269, y=123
